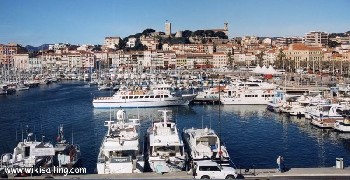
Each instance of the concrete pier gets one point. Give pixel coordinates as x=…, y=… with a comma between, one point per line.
x=293, y=173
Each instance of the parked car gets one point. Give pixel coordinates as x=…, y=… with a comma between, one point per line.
x=212, y=170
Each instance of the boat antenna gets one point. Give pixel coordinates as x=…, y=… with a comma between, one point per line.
x=72, y=136
x=110, y=113
x=202, y=121
x=220, y=152
x=16, y=135
x=209, y=121
x=22, y=131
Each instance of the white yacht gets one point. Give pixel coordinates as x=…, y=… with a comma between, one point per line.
x=3, y=89
x=250, y=92
x=120, y=150
x=247, y=96
x=204, y=144
x=158, y=97
x=322, y=110
x=29, y=153
x=165, y=146
x=66, y=154
x=208, y=94
x=342, y=125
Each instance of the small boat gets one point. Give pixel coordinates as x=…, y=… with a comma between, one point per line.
x=342, y=125
x=324, y=123
x=66, y=154
x=29, y=153
x=22, y=88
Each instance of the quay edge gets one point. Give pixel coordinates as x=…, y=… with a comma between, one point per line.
x=292, y=173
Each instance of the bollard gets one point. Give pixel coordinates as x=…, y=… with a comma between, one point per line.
x=339, y=164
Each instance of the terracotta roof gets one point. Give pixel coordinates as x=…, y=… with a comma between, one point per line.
x=300, y=46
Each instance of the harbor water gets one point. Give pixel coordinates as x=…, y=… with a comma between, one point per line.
x=253, y=136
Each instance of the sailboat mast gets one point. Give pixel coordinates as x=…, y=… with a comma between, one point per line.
x=220, y=152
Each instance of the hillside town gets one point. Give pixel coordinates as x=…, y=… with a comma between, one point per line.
x=315, y=52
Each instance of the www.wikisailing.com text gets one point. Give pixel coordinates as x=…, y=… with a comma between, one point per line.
x=41, y=170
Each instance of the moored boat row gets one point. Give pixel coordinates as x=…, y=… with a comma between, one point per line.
x=166, y=149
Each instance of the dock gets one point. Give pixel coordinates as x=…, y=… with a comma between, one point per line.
x=293, y=173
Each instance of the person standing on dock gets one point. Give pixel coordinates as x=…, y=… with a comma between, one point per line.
x=279, y=158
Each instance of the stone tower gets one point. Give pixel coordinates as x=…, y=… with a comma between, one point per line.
x=226, y=26
x=167, y=28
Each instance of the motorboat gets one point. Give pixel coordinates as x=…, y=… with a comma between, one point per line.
x=29, y=153
x=66, y=154
x=342, y=125
x=165, y=146
x=204, y=144
x=120, y=148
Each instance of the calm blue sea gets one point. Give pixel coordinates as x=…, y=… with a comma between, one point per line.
x=253, y=135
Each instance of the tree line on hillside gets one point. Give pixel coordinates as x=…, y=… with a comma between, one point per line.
x=185, y=39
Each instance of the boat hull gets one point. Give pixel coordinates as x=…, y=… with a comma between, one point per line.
x=133, y=103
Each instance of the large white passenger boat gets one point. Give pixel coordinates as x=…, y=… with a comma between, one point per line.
x=247, y=97
x=120, y=150
x=251, y=92
x=204, y=144
x=165, y=146
x=160, y=96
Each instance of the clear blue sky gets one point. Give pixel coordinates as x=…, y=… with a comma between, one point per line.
x=36, y=22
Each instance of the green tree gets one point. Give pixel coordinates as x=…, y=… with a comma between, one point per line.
x=230, y=60
x=333, y=44
x=220, y=35
x=260, y=57
x=186, y=33
x=199, y=33
x=148, y=31
x=97, y=48
x=280, y=60
x=209, y=33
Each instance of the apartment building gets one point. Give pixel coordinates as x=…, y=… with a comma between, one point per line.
x=131, y=42
x=220, y=60
x=111, y=42
x=7, y=52
x=21, y=61
x=224, y=48
x=301, y=53
x=316, y=38
x=285, y=41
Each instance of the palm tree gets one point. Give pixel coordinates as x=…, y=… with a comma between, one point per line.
x=230, y=60
x=279, y=63
x=260, y=57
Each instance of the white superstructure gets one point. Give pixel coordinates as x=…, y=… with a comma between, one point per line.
x=158, y=97
x=204, y=144
x=165, y=146
x=29, y=153
x=119, y=150
x=342, y=125
x=251, y=92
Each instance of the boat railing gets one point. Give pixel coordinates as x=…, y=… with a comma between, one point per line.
x=103, y=98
